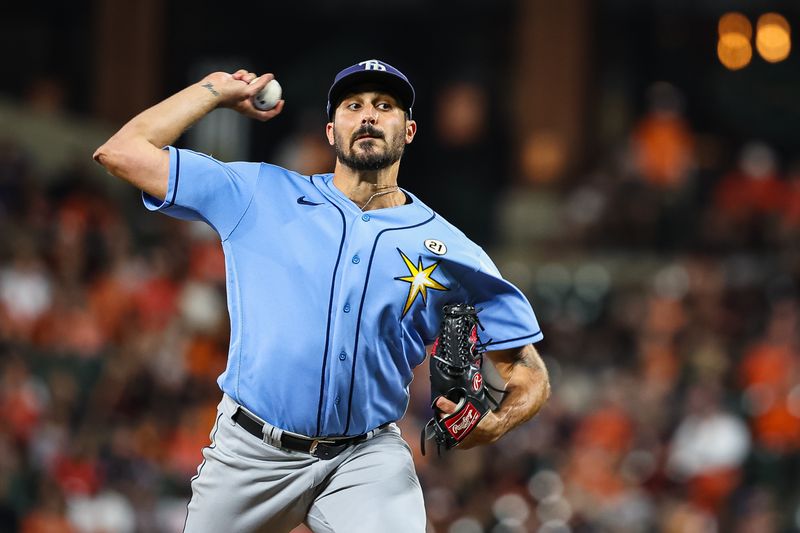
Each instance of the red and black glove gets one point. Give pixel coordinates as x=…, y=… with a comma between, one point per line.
x=455, y=367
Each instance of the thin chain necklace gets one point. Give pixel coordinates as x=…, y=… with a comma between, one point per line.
x=380, y=193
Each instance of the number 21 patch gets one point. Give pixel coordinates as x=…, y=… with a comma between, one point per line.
x=437, y=247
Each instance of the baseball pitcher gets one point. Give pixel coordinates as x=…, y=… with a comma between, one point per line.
x=336, y=283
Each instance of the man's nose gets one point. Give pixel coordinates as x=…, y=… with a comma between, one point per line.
x=369, y=117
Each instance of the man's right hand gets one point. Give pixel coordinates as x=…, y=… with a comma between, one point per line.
x=236, y=91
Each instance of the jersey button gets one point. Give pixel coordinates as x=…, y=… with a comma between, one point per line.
x=336, y=400
x=365, y=217
x=356, y=260
x=342, y=356
x=346, y=308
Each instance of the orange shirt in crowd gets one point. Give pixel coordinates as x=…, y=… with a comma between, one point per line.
x=664, y=150
x=609, y=428
x=768, y=371
x=45, y=522
x=741, y=196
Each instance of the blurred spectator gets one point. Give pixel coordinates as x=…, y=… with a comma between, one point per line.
x=754, y=188
x=663, y=143
x=750, y=200
x=23, y=398
x=26, y=291
x=680, y=517
x=189, y=437
x=757, y=513
x=157, y=299
x=769, y=374
x=708, y=448
x=105, y=512
x=49, y=515
x=461, y=117
x=306, y=151
x=543, y=158
x=463, y=169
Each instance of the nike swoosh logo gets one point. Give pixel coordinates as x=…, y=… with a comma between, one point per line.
x=302, y=201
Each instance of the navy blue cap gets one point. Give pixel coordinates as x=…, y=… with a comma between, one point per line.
x=371, y=71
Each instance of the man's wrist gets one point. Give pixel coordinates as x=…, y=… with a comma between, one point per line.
x=209, y=86
x=210, y=94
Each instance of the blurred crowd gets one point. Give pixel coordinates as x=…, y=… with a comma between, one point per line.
x=668, y=295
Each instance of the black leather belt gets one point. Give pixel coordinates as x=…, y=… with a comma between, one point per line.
x=321, y=448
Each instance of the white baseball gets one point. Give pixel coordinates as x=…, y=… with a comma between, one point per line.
x=268, y=97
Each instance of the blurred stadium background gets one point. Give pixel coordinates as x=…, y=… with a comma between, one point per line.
x=632, y=165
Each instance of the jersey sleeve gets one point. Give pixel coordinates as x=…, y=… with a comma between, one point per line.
x=505, y=313
x=203, y=188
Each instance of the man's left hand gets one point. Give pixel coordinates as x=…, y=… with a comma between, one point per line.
x=488, y=430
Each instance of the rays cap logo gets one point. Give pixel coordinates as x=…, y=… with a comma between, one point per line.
x=372, y=71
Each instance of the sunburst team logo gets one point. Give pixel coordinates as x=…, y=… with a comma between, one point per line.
x=420, y=281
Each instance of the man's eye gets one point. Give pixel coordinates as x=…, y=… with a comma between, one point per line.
x=352, y=106
x=384, y=106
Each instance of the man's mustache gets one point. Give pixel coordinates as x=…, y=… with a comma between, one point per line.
x=367, y=130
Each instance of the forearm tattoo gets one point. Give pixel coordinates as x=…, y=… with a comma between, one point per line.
x=528, y=357
x=210, y=87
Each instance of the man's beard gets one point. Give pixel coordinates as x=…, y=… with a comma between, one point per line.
x=368, y=159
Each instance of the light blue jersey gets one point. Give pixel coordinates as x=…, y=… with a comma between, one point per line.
x=330, y=307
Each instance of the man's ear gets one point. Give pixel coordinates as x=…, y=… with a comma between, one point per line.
x=329, y=133
x=411, y=130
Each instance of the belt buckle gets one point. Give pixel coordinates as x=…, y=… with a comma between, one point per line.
x=313, y=449
x=322, y=449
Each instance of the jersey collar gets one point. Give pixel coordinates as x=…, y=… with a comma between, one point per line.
x=393, y=216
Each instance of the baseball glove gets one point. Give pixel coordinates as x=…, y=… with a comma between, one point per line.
x=455, y=367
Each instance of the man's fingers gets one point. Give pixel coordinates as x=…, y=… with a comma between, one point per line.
x=277, y=109
x=445, y=405
x=240, y=74
x=266, y=115
x=258, y=83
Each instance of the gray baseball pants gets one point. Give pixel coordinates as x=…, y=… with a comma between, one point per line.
x=246, y=484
